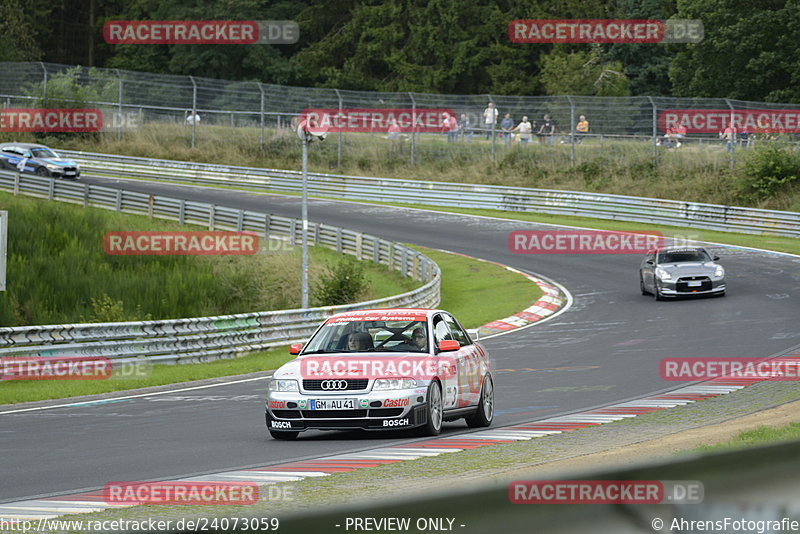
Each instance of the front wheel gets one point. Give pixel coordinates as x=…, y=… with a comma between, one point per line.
x=435, y=411
x=484, y=413
x=657, y=291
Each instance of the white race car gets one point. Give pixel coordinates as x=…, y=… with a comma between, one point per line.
x=383, y=369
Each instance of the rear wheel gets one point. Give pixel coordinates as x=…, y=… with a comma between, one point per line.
x=641, y=285
x=485, y=412
x=435, y=411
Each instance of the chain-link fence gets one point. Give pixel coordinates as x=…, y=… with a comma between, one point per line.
x=203, y=107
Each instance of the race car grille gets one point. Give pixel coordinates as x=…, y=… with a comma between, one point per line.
x=683, y=284
x=385, y=412
x=333, y=414
x=286, y=414
x=353, y=384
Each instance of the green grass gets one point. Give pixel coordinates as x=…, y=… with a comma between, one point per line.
x=478, y=292
x=493, y=293
x=58, y=272
x=696, y=172
x=757, y=437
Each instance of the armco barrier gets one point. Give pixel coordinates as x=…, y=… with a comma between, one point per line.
x=204, y=338
x=602, y=206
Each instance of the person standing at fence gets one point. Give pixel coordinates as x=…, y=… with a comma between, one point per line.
x=465, y=128
x=581, y=129
x=489, y=118
x=548, y=129
x=450, y=125
x=192, y=117
x=506, y=126
x=394, y=135
x=524, y=128
x=729, y=134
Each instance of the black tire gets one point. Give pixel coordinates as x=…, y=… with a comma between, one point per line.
x=435, y=411
x=43, y=172
x=656, y=291
x=484, y=413
x=277, y=434
x=641, y=285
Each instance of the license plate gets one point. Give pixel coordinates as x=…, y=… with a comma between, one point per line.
x=333, y=404
x=694, y=284
x=69, y=172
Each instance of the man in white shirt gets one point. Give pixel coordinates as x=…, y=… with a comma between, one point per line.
x=489, y=118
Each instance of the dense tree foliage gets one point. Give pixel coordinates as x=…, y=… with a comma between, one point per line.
x=445, y=46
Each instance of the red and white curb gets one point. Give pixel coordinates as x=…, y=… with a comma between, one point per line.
x=53, y=507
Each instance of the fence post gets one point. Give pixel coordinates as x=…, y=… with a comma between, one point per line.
x=182, y=212
x=339, y=137
x=733, y=134
x=261, y=89
x=194, y=109
x=655, y=132
x=572, y=130
x=211, y=217
x=44, y=84
x=413, y=126
x=119, y=106
x=494, y=122
x=16, y=184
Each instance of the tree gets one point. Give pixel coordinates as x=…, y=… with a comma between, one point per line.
x=749, y=51
x=582, y=74
x=17, y=38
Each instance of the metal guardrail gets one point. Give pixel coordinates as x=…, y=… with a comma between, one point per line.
x=595, y=205
x=205, y=338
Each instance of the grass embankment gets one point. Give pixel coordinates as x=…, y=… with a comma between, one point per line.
x=754, y=438
x=494, y=292
x=695, y=172
x=58, y=272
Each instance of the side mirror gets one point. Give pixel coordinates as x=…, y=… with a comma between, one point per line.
x=650, y=262
x=716, y=258
x=295, y=348
x=449, y=345
x=474, y=334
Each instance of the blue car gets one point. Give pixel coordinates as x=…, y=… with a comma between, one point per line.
x=37, y=159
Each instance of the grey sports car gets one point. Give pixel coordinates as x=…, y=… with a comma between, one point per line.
x=37, y=159
x=679, y=271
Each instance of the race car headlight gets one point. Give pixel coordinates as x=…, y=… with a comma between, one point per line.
x=283, y=385
x=719, y=272
x=393, y=383
x=663, y=274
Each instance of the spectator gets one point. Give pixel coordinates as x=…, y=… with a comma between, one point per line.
x=581, y=129
x=394, y=134
x=465, y=128
x=524, y=128
x=729, y=134
x=489, y=118
x=506, y=125
x=450, y=125
x=548, y=129
x=679, y=133
x=192, y=117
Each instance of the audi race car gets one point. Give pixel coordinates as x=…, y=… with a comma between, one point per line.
x=36, y=159
x=677, y=271
x=382, y=370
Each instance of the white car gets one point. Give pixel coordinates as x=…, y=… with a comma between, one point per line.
x=383, y=369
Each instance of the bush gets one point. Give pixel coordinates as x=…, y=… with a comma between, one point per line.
x=342, y=283
x=767, y=171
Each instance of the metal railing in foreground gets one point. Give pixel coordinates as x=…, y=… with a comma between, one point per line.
x=595, y=205
x=204, y=338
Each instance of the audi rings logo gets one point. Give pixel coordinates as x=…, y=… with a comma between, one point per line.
x=333, y=384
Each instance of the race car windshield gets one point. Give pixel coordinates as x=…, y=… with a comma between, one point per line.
x=369, y=336
x=680, y=256
x=43, y=153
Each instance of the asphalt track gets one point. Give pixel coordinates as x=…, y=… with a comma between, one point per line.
x=604, y=349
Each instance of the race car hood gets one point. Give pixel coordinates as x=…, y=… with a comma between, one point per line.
x=678, y=270
x=61, y=162
x=364, y=365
